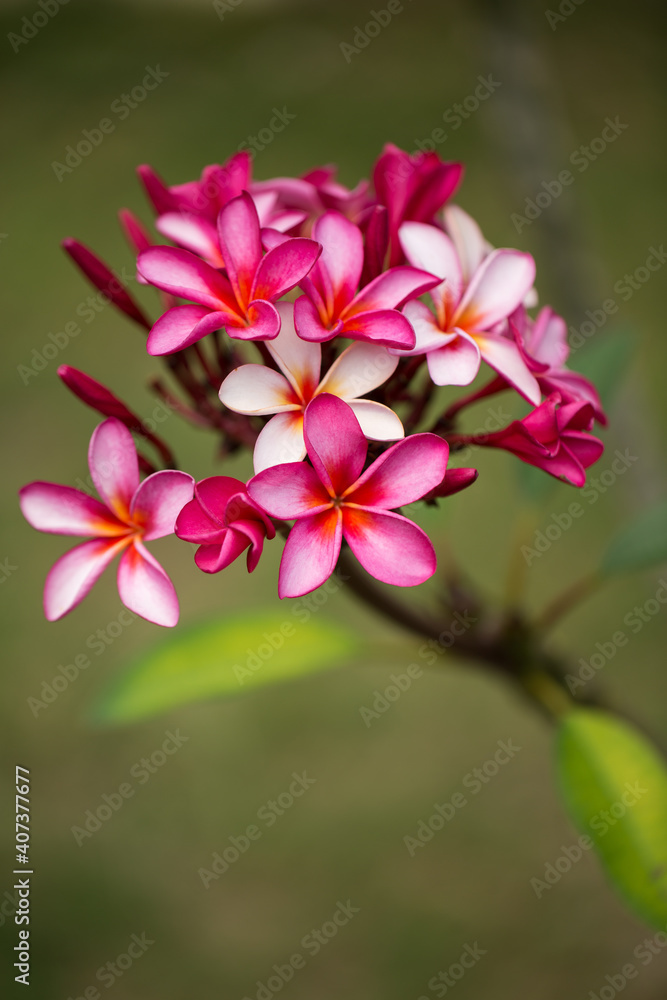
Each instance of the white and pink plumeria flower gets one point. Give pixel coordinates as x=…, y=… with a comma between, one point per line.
x=459, y=334
x=260, y=390
x=129, y=514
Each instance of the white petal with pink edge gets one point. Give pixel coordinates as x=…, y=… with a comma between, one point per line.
x=361, y=368
x=63, y=510
x=256, y=389
x=457, y=363
x=299, y=359
x=145, y=588
x=159, y=500
x=378, y=422
x=495, y=290
x=70, y=579
x=114, y=467
x=504, y=357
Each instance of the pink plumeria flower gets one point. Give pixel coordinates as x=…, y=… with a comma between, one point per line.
x=334, y=500
x=333, y=307
x=412, y=187
x=553, y=437
x=130, y=514
x=242, y=302
x=459, y=336
x=544, y=345
x=258, y=390
x=224, y=522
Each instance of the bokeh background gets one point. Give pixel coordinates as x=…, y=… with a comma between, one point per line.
x=559, y=81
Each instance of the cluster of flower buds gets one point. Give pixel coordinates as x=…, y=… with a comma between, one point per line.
x=358, y=304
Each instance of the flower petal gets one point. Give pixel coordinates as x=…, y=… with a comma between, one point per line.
x=193, y=524
x=181, y=326
x=505, y=357
x=70, y=579
x=378, y=422
x=391, y=289
x=457, y=363
x=428, y=334
x=238, y=233
x=182, y=273
x=257, y=389
x=471, y=247
x=289, y=491
x=145, y=588
x=310, y=554
x=159, y=500
x=495, y=290
x=548, y=340
x=342, y=255
x=432, y=250
x=335, y=442
x=308, y=322
x=213, y=558
x=361, y=368
x=112, y=458
x=102, y=277
x=297, y=358
x=403, y=473
x=62, y=510
x=263, y=323
x=280, y=441
x=191, y=232
x=384, y=326
x=389, y=547
x=284, y=267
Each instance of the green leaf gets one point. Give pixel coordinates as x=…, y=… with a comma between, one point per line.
x=640, y=544
x=605, y=360
x=615, y=787
x=225, y=657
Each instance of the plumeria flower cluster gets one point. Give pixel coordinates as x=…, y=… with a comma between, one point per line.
x=313, y=325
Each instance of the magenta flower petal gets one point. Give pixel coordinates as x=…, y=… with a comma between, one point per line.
x=391, y=289
x=193, y=524
x=284, y=267
x=388, y=546
x=135, y=232
x=191, y=233
x=181, y=326
x=72, y=576
x=62, y=510
x=159, y=500
x=342, y=254
x=114, y=467
x=213, y=558
x=262, y=323
x=182, y=273
x=102, y=277
x=289, y=491
x=238, y=233
x=215, y=493
x=308, y=322
x=385, y=326
x=94, y=394
x=335, y=442
x=310, y=554
x=403, y=473
x=145, y=588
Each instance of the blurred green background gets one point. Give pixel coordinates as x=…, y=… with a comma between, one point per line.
x=344, y=838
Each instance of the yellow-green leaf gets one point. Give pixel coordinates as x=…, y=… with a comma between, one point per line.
x=615, y=787
x=225, y=657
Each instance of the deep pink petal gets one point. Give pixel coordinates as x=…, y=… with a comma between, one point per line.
x=310, y=554
x=215, y=493
x=159, y=500
x=504, y=357
x=457, y=363
x=403, y=473
x=114, y=467
x=391, y=289
x=342, y=255
x=289, y=491
x=145, y=588
x=213, y=558
x=586, y=448
x=335, y=442
x=389, y=547
x=308, y=323
x=94, y=394
x=62, y=510
x=238, y=233
x=284, y=267
x=495, y=290
x=102, y=277
x=191, y=232
x=183, y=273
x=70, y=579
x=262, y=323
x=383, y=326
x=193, y=524
x=181, y=326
